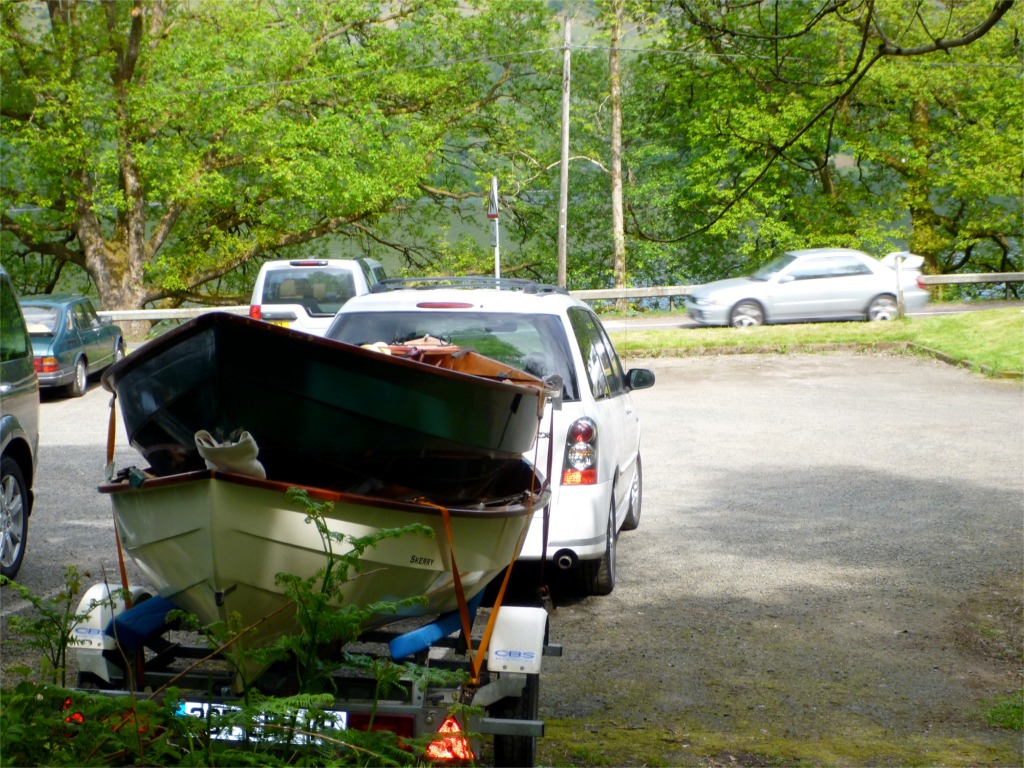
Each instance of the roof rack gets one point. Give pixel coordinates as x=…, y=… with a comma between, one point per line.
x=499, y=283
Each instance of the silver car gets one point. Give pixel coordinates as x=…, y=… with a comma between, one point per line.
x=813, y=285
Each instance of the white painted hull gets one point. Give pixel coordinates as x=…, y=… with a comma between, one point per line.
x=212, y=543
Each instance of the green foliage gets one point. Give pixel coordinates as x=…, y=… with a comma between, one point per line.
x=322, y=618
x=756, y=131
x=255, y=131
x=42, y=723
x=160, y=147
x=50, y=631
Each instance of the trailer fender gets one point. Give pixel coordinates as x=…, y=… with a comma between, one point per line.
x=89, y=638
x=517, y=642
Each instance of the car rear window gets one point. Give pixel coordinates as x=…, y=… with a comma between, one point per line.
x=320, y=291
x=533, y=343
x=41, y=320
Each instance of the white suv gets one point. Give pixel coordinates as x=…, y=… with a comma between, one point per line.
x=596, y=475
x=305, y=294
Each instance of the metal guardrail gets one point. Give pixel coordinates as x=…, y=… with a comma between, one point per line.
x=988, y=277
x=597, y=294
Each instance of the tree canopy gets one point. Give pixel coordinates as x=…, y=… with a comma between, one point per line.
x=159, y=145
x=165, y=147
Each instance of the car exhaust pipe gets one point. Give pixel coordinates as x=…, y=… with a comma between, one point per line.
x=566, y=559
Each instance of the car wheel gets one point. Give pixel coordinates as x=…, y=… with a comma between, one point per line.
x=13, y=517
x=746, y=314
x=80, y=383
x=599, y=575
x=636, y=497
x=883, y=308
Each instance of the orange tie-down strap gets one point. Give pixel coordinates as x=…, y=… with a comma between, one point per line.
x=109, y=471
x=476, y=659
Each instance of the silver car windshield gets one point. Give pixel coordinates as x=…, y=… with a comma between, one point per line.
x=536, y=344
x=769, y=270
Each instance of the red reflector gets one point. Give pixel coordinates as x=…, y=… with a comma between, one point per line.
x=579, y=477
x=450, y=745
x=581, y=431
x=400, y=725
x=256, y=311
x=444, y=305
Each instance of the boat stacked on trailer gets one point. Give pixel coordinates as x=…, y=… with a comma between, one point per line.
x=230, y=413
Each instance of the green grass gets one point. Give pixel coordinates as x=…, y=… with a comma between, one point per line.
x=991, y=341
x=1007, y=711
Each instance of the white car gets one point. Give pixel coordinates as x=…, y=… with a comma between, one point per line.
x=305, y=294
x=812, y=285
x=595, y=466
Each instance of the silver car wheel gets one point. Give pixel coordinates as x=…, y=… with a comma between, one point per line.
x=746, y=314
x=80, y=383
x=13, y=517
x=883, y=308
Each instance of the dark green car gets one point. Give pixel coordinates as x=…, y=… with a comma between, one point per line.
x=19, y=430
x=70, y=341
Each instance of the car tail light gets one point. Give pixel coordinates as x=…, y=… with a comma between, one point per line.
x=256, y=311
x=46, y=364
x=920, y=282
x=444, y=305
x=580, y=466
x=308, y=263
x=451, y=745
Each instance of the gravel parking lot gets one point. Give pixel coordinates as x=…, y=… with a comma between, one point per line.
x=828, y=572
x=829, y=548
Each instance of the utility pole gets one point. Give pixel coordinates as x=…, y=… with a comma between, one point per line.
x=563, y=189
x=618, y=223
x=492, y=215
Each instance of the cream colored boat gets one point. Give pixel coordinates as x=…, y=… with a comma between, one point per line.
x=213, y=542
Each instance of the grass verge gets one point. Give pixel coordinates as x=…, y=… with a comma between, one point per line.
x=989, y=341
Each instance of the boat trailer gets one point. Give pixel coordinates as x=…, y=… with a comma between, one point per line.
x=127, y=650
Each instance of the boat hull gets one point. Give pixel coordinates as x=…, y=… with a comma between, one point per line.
x=322, y=412
x=213, y=544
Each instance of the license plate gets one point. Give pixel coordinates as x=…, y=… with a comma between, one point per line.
x=329, y=719
x=282, y=323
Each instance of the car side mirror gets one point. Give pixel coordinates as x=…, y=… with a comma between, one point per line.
x=639, y=378
x=786, y=279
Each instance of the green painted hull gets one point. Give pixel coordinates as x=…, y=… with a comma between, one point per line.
x=323, y=412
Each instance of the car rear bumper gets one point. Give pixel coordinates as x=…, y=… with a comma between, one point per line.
x=577, y=524
x=58, y=379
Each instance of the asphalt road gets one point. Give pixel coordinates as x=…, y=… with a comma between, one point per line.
x=680, y=319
